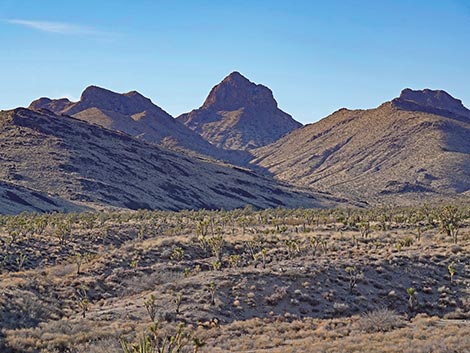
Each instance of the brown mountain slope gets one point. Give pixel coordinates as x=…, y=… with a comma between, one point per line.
x=16, y=199
x=239, y=115
x=399, y=152
x=96, y=167
x=135, y=115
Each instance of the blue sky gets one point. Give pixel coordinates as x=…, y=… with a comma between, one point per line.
x=316, y=56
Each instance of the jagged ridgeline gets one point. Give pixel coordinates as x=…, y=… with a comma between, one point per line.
x=410, y=150
x=68, y=164
x=413, y=149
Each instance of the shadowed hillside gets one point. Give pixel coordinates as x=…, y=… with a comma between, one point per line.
x=136, y=115
x=414, y=148
x=90, y=165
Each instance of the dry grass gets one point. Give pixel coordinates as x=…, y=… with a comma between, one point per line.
x=298, y=298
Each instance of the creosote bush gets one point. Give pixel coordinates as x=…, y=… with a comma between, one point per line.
x=379, y=320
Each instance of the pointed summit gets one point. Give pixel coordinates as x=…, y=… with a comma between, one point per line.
x=437, y=102
x=236, y=76
x=236, y=91
x=239, y=114
x=135, y=115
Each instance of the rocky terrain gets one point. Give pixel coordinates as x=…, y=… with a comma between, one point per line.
x=63, y=158
x=413, y=149
x=410, y=150
x=136, y=115
x=297, y=275
x=239, y=115
x=435, y=102
x=339, y=280
x=16, y=199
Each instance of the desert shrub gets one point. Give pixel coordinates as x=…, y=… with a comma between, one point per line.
x=109, y=345
x=277, y=296
x=379, y=320
x=59, y=335
x=340, y=308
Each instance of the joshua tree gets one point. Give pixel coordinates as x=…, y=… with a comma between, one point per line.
x=354, y=276
x=79, y=259
x=364, y=228
x=63, y=231
x=292, y=246
x=82, y=301
x=151, y=307
x=197, y=343
x=262, y=254
x=216, y=244
x=20, y=260
x=234, y=260
x=177, y=254
x=412, y=301
x=212, y=288
x=154, y=342
x=452, y=270
x=178, y=299
x=449, y=221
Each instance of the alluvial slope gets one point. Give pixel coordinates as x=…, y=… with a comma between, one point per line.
x=16, y=199
x=135, y=115
x=90, y=165
x=413, y=148
x=239, y=115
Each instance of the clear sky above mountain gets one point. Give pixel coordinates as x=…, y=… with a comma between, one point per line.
x=316, y=56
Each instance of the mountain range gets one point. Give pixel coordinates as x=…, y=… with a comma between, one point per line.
x=68, y=164
x=136, y=115
x=414, y=148
x=121, y=150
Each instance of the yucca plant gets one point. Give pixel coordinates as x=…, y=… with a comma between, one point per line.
x=452, y=270
x=411, y=298
x=449, y=220
x=154, y=342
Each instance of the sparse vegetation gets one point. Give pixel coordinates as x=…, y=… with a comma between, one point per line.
x=292, y=270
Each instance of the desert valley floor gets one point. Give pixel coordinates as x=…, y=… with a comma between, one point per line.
x=278, y=280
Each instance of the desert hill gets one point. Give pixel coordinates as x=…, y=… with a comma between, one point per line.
x=15, y=199
x=92, y=166
x=135, y=115
x=239, y=115
x=414, y=148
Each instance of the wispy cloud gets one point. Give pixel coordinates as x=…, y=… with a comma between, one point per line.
x=56, y=27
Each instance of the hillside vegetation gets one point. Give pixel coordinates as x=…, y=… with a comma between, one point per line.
x=278, y=280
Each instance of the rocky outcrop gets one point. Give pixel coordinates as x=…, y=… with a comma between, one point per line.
x=413, y=149
x=432, y=101
x=239, y=115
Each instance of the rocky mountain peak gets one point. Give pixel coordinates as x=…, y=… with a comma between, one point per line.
x=53, y=105
x=431, y=101
x=239, y=115
x=236, y=91
x=127, y=104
